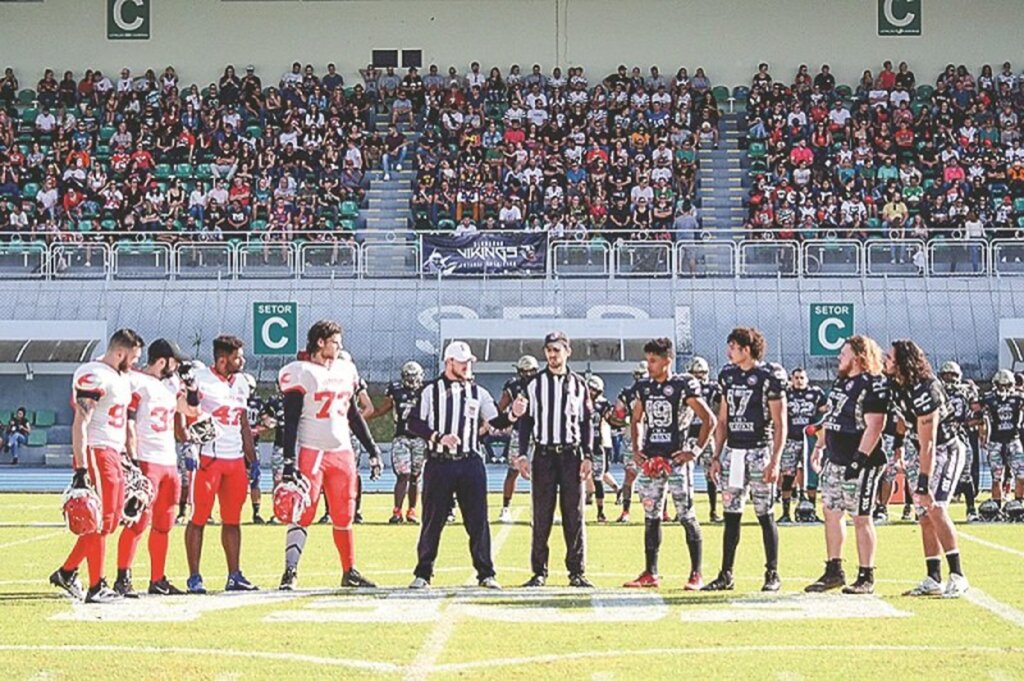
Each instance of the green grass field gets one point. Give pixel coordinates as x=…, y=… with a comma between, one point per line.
x=454, y=630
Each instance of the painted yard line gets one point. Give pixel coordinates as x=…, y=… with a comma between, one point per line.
x=30, y=540
x=211, y=652
x=991, y=545
x=584, y=655
x=1004, y=610
x=15, y=525
x=426, y=659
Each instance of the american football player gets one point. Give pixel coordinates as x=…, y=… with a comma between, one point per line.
x=526, y=368
x=806, y=404
x=407, y=450
x=700, y=370
x=1000, y=413
x=620, y=416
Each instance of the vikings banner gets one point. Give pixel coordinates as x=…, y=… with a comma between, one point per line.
x=485, y=253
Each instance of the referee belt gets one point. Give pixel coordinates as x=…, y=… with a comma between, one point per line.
x=449, y=456
x=557, y=449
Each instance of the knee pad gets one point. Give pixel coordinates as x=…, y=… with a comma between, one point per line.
x=787, y=483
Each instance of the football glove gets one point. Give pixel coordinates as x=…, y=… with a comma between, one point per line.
x=375, y=468
x=856, y=467
x=80, y=479
x=288, y=473
x=187, y=374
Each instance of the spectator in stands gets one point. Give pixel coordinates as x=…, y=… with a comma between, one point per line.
x=18, y=430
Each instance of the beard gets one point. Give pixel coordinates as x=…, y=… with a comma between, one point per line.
x=124, y=365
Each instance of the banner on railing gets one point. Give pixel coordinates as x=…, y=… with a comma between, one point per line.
x=480, y=253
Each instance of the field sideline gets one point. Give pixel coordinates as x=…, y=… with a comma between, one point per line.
x=455, y=630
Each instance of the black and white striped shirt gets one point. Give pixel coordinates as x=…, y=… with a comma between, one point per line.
x=559, y=411
x=449, y=407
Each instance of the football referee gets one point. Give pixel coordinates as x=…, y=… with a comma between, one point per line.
x=451, y=411
x=558, y=420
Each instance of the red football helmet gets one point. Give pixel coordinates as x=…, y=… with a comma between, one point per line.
x=291, y=499
x=83, y=511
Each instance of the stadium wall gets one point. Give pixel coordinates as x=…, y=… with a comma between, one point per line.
x=728, y=37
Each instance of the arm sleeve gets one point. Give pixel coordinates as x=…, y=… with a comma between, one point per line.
x=587, y=430
x=418, y=423
x=489, y=412
x=292, y=412
x=357, y=424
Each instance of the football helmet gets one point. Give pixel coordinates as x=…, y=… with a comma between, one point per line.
x=291, y=499
x=640, y=370
x=412, y=375
x=1014, y=511
x=83, y=511
x=805, y=512
x=596, y=383
x=950, y=372
x=699, y=365
x=1003, y=381
x=202, y=431
x=989, y=511
x=138, y=494
x=527, y=365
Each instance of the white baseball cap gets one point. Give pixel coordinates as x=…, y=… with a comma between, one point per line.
x=459, y=351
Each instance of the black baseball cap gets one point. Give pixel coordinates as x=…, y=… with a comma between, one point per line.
x=556, y=337
x=162, y=348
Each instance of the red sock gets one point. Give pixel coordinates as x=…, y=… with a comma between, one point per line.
x=126, y=545
x=157, y=555
x=77, y=554
x=95, y=552
x=346, y=549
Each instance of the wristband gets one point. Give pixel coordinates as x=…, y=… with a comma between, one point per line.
x=922, y=484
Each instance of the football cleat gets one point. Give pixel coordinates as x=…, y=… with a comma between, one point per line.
x=973, y=517
x=956, y=587
x=123, y=586
x=535, y=581
x=489, y=583
x=580, y=581
x=68, y=581
x=907, y=515
x=602, y=518
x=645, y=581
x=623, y=517
x=195, y=585
x=451, y=518
x=288, y=579
x=101, y=594
x=861, y=587
x=831, y=579
x=784, y=520
x=325, y=519
x=927, y=587
x=505, y=517
x=723, y=582
x=880, y=516
x=419, y=583
x=181, y=520
x=411, y=517
x=396, y=518
x=695, y=583
x=714, y=518
x=257, y=519
x=357, y=518
x=352, y=578
x=771, y=581
x=238, y=582
x=162, y=587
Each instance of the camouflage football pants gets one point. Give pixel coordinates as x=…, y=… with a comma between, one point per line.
x=407, y=455
x=794, y=454
x=856, y=497
x=678, y=483
x=889, y=472
x=1003, y=455
x=950, y=458
x=743, y=474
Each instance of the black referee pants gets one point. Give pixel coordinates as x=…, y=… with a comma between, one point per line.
x=557, y=476
x=467, y=479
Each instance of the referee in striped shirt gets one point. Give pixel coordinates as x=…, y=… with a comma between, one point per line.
x=452, y=409
x=558, y=420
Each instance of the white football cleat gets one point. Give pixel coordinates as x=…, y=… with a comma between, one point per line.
x=505, y=516
x=419, y=583
x=956, y=587
x=927, y=587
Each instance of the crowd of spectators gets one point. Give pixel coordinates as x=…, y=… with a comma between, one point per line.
x=892, y=158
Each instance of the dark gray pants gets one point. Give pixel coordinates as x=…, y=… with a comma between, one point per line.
x=557, y=476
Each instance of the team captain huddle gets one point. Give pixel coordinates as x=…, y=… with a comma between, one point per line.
x=128, y=423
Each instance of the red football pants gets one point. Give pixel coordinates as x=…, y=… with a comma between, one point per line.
x=225, y=480
x=107, y=477
x=167, y=488
x=335, y=474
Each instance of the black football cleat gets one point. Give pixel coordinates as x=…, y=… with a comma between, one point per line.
x=723, y=582
x=123, y=586
x=162, y=587
x=535, y=581
x=288, y=580
x=102, y=594
x=861, y=587
x=68, y=581
x=580, y=581
x=352, y=578
x=771, y=581
x=832, y=578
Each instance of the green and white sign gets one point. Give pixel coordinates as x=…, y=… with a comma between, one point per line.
x=274, y=329
x=831, y=325
x=128, y=19
x=899, y=17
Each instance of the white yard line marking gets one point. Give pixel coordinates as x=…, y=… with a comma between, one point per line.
x=789, y=676
x=211, y=652
x=30, y=540
x=991, y=545
x=599, y=654
x=1004, y=610
x=426, y=659
x=5, y=525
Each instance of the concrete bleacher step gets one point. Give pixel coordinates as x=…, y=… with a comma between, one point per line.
x=54, y=455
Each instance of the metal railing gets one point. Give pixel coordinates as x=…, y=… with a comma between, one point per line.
x=324, y=256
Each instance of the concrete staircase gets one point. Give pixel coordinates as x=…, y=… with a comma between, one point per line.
x=722, y=178
x=387, y=215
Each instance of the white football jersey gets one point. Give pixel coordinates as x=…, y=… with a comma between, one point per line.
x=225, y=400
x=113, y=393
x=327, y=393
x=155, y=402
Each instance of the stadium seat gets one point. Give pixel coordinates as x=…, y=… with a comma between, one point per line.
x=720, y=92
x=924, y=92
x=204, y=172
x=27, y=96
x=5, y=417
x=109, y=225
x=347, y=225
x=183, y=171
x=349, y=209
x=37, y=438
x=162, y=171
x=844, y=91
x=44, y=418
x=1018, y=205
x=106, y=132
x=29, y=191
x=757, y=150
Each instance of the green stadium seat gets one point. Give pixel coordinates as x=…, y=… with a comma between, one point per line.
x=109, y=225
x=28, y=116
x=349, y=209
x=45, y=418
x=5, y=417
x=924, y=92
x=29, y=191
x=1018, y=204
x=259, y=225
x=27, y=96
x=183, y=171
x=844, y=91
x=757, y=150
x=106, y=132
x=204, y=172
x=347, y=225
x=720, y=92
x=37, y=438
x=446, y=224
x=162, y=171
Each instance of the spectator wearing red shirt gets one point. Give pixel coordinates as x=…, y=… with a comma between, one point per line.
x=801, y=154
x=886, y=77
